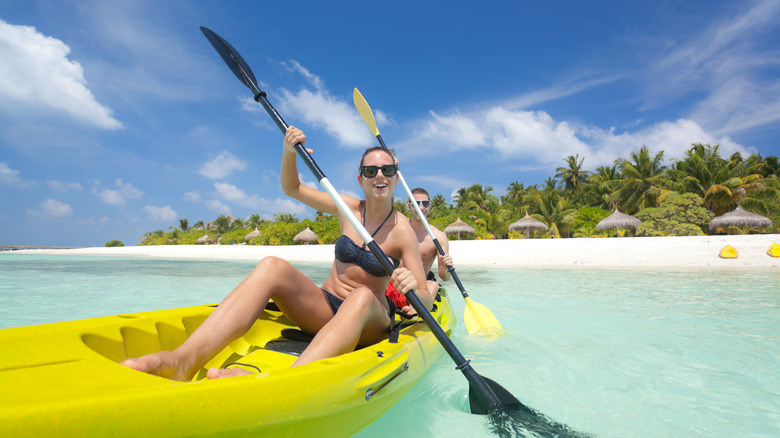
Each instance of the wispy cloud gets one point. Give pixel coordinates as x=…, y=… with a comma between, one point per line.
x=32, y=60
x=222, y=166
x=729, y=64
x=12, y=177
x=231, y=193
x=338, y=117
x=62, y=187
x=166, y=213
x=119, y=196
x=51, y=208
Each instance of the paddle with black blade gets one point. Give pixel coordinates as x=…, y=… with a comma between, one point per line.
x=485, y=395
x=507, y=414
x=478, y=318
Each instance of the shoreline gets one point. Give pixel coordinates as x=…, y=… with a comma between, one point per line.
x=617, y=252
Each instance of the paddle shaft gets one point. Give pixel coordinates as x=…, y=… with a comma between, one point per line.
x=236, y=63
x=450, y=269
x=461, y=362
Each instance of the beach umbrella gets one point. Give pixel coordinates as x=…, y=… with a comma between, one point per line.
x=528, y=224
x=740, y=218
x=203, y=239
x=306, y=236
x=618, y=220
x=252, y=235
x=458, y=227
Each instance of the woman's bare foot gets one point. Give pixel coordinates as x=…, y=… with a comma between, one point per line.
x=218, y=373
x=164, y=364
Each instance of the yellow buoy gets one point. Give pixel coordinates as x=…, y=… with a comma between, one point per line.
x=728, y=252
x=774, y=250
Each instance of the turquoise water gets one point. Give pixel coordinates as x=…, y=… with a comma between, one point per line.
x=610, y=353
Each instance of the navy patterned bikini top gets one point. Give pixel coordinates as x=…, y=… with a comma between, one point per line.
x=347, y=251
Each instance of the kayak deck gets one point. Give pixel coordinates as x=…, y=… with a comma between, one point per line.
x=65, y=379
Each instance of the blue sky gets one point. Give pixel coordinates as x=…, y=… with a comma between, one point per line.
x=119, y=118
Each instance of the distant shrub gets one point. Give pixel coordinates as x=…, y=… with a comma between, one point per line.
x=113, y=243
x=678, y=215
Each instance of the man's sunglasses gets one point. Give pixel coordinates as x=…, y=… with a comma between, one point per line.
x=371, y=171
x=424, y=204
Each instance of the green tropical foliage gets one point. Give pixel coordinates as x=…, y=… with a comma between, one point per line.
x=678, y=215
x=675, y=199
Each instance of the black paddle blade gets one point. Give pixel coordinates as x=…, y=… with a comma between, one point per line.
x=514, y=419
x=480, y=406
x=233, y=59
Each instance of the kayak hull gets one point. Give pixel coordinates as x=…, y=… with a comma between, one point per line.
x=64, y=379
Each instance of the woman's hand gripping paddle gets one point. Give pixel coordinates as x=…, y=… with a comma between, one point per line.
x=485, y=395
x=478, y=318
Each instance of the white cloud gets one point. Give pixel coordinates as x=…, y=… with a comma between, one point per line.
x=456, y=130
x=30, y=59
x=62, y=187
x=160, y=213
x=51, y=208
x=217, y=206
x=313, y=79
x=233, y=194
x=120, y=196
x=516, y=134
x=192, y=197
x=319, y=108
x=730, y=65
x=221, y=166
x=12, y=177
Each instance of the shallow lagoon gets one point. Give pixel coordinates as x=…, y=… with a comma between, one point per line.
x=613, y=353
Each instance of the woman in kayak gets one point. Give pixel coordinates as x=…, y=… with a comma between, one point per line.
x=349, y=310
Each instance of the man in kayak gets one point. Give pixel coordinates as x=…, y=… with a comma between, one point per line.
x=428, y=251
x=349, y=310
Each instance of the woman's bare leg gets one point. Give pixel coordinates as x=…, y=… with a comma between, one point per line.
x=272, y=277
x=361, y=320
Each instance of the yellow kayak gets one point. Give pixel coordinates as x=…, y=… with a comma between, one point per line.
x=64, y=379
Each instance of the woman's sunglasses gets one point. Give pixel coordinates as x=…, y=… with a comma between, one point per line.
x=423, y=204
x=371, y=171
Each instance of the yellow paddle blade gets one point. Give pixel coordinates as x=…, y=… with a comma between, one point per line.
x=365, y=111
x=481, y=321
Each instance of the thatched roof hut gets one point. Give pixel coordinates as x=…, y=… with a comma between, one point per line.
x=204, y=239
x=252, y=235
x=306, y=236
x=528, y=224
x=458, y=227
x=618, y=220
x=740, y=218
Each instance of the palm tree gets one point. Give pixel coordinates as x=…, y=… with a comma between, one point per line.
x=514, y=200
x=494, y=217
x=184, y=224
x=286, y=218
x=222, y=224
x=721, y=183
x=477, y=196
x=555, y=211
x=254, y=221
x=460, y=197
x=572, y=176
x=600, y=186
x=642, y=181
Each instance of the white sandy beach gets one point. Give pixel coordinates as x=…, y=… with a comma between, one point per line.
x=634, y=252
